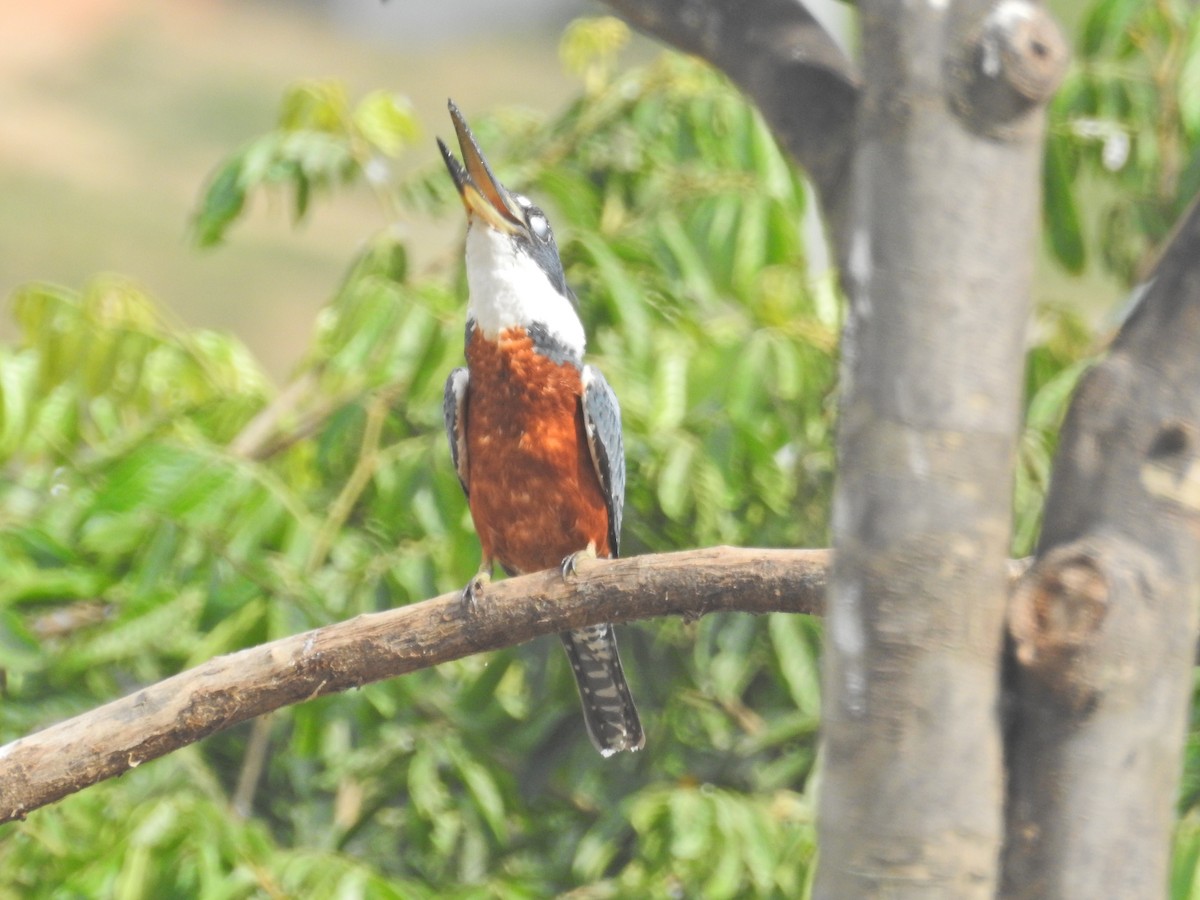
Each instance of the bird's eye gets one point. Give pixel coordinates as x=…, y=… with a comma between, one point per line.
x=539, y=226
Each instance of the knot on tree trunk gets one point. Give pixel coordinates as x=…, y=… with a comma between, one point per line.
x=1021, y=44
x=1056, y=612
x=1171, y=470
x=1082, y=617
x=1010, y=65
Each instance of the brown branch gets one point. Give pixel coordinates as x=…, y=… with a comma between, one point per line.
x=163, y=717
x=108, y=741
x=783, y=59
x=1105, y=625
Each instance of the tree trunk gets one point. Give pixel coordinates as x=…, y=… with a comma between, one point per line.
x=943, y=218
x=1105, y=623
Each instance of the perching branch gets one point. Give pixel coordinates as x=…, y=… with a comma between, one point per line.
x=163, y=717
x=223, y=692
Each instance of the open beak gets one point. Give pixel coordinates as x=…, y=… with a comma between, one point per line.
x=481, y=193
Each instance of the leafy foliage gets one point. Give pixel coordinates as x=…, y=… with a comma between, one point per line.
x=161, y=502
x=320, y=142
x=1125, y=131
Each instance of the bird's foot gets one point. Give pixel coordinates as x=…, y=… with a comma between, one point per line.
x=474, y=590
x=571, y=563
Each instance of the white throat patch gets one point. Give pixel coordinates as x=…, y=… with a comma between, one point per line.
x=508, y=289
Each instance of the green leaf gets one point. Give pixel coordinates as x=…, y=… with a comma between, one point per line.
x=670, y=388
x=19, y=652
x=315, y=106
x=485, y=793
x=593, y=856
x=692, y=824
x=147, y=478
x=1106, y=24
x=795, y=649
x=220, y=204
x=750, y=242
x=726, y=877
x=576, y=197
x=387, y=121
x=1063, y=228
x=480, y=695
x=756, y=840
x=1188, y=87
x=1049, y=404
x=589, y=48
x=429, y=794
x=626, y=296
x=674, y=481
x=693, y=268
x=18, y=378
x=1185, y=860
x=230, y=634
x=26, y=584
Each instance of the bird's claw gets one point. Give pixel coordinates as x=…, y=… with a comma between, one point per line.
x=471, y=594
x=570, y=564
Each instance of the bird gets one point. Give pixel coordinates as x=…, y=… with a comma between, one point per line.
x=534, y=432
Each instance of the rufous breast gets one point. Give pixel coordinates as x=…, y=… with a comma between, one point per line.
x=534, y=496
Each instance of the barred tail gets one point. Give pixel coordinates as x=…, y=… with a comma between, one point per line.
x=612, y=720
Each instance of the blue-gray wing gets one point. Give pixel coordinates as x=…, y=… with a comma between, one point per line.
x=454, y=410
x=602, y=420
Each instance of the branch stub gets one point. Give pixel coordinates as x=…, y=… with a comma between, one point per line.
x=1057, y=610
x=1008, y=67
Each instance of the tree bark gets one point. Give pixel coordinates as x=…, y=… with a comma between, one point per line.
x=1105, y=624
x=944, y=214
x=152, y=722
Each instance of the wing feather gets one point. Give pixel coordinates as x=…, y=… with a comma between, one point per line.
x=602, y=420
x=454, y=410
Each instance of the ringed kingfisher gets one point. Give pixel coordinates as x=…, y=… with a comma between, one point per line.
x=535, y=433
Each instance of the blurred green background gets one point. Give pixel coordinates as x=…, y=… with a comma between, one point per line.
x=115, y=111
x=239, y=436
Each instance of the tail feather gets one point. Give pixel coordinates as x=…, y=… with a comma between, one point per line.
x=612, y=719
